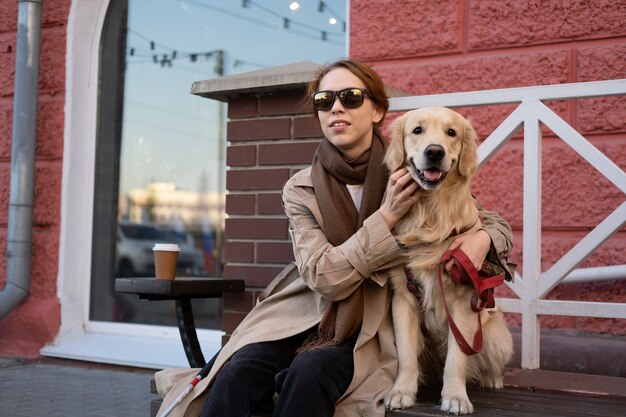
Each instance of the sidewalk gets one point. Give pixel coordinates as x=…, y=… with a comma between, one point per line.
x=48, y=387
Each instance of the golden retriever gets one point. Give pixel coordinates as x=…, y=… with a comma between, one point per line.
x=438, y=147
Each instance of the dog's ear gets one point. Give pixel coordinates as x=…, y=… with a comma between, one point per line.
x=468, y=161
x=395, y=156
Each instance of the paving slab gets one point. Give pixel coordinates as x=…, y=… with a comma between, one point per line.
x=65, y=388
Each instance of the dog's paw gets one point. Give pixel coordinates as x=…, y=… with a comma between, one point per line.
x=458, y=403
x=396, y=399
x=496, y=382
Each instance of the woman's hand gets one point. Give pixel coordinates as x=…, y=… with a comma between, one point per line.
x=402, y=192
x=475, y=245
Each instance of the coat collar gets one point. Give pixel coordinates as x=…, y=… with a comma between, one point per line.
x=303, y=178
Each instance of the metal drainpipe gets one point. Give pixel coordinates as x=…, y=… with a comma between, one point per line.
x=19, y=235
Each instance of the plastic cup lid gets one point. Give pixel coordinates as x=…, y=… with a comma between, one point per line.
x=168, y=247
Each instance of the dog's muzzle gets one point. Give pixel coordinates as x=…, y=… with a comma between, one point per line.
x=429, y=178
x=432, y=174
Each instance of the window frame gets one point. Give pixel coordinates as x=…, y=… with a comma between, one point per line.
x=146, y=346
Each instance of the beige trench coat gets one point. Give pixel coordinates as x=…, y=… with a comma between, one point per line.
x=297, y=298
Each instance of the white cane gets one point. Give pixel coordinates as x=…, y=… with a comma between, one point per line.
x=202, y=374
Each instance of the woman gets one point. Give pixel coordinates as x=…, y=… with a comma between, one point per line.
x=320, y=341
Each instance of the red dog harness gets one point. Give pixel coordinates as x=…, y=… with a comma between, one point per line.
x=463, y=272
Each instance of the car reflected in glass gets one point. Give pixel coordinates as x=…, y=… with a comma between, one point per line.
x=134, y=257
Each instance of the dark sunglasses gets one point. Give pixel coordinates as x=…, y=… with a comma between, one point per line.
x=351, y=98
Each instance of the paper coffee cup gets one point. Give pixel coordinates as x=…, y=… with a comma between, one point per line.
x=165, y=260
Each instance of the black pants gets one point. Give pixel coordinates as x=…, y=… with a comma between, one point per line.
x=308, y=384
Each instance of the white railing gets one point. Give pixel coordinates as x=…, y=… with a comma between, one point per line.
x=533, y=285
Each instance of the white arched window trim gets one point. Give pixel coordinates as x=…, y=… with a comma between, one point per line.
x=79, y=338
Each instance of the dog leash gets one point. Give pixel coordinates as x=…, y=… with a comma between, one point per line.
x=463, y=272
x=411, y=283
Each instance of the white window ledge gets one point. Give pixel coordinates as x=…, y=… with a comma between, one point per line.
x=143, y=346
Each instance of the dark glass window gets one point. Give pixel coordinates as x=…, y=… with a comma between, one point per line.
x=160, y=150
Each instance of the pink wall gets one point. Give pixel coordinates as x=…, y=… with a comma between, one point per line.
x=427, y=47
x=35, y=321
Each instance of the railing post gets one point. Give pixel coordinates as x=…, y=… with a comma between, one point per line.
x=532, y=238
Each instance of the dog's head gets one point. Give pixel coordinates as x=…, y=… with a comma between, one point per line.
x=432, y=142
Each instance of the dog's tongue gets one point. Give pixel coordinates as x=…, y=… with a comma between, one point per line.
x=432, y=174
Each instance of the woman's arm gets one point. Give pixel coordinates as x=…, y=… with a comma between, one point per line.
x=494, y=242
x=335, y=272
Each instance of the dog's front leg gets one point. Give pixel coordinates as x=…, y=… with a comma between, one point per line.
x=454, y=397
x=406, y=325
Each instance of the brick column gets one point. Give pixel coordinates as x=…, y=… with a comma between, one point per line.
x=270, y=136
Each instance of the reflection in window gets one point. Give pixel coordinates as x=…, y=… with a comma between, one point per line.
x=160, y=150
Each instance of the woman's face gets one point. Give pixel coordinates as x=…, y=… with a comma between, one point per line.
x=350, y=130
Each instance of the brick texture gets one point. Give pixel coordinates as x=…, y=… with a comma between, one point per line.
x=250, y=228
x=231, y=319
x=269, y=135
x=243, y=107
x=255, y=275
x=47, y=204
x=5, y=177
x=270, y=203
x=45, y=246
x=471, y=73
x=287, y=153
x=7, y=64
x=6, y=128
x=283, y=103
x=259, y=129
x=605, y=114
x=241, y=155
x=239, y=302
x=240, y=203
x=8, y=16
x=409, y=28
x=50, y=116
x=279, y=252
x=53, y=42
x=306, y=127
x=257, y=179
x=497, y=24
x=263, y=150
x=239, y=252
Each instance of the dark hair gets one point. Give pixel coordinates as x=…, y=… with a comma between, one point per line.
x=372, y=81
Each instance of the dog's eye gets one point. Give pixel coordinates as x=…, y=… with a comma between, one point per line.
x=417, y=130
x=451, y=132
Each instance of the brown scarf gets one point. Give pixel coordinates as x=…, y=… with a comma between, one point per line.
x=330, y=173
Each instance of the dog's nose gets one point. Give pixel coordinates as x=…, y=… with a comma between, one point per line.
x=435, y=152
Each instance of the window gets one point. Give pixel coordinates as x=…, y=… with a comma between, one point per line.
x=159, y=172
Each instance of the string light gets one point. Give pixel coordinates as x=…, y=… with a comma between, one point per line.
x=167, y=59
x=333, y=20
x=247, y=4
x=324, y=34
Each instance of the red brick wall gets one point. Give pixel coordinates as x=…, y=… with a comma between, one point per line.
x=35, y=321
x=427, y=47
x=270, y=137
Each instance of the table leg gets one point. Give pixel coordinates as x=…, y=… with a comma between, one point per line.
x=188, y=335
